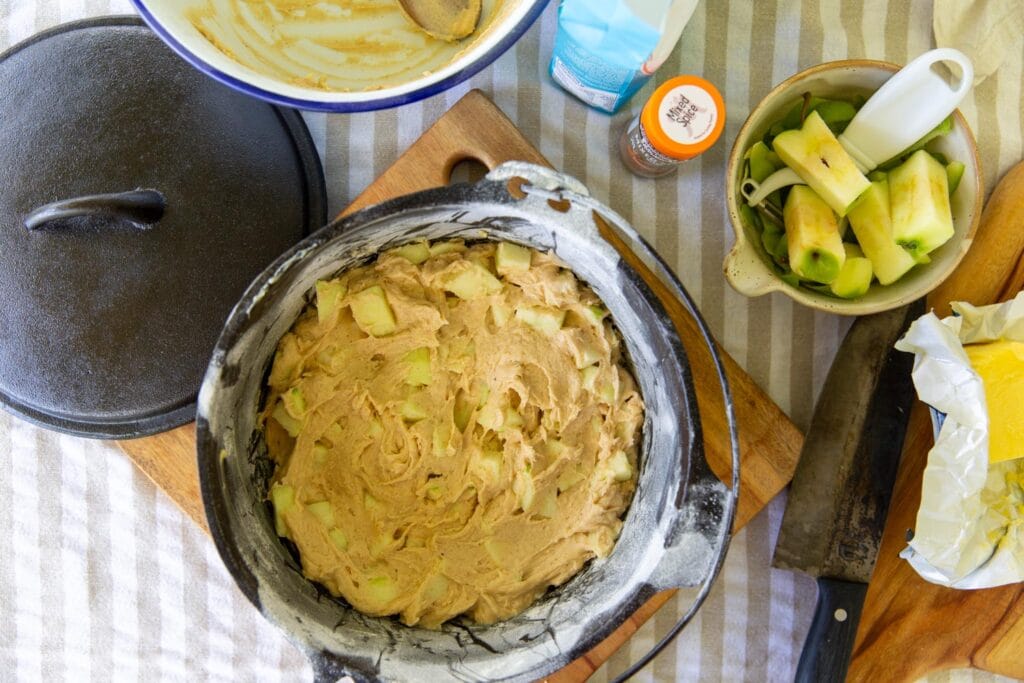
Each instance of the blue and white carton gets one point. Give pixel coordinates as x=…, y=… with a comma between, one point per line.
x=605, y=50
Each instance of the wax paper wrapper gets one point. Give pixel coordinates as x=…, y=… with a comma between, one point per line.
x=970, y=526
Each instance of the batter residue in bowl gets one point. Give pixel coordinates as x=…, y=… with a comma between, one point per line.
x=454, y=432
x=339, y=45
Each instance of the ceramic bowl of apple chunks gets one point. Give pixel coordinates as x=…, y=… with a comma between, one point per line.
x=847, y=242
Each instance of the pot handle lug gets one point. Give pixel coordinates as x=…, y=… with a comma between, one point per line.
x=329, y=669
x=693, y=543
x=696, y=544
x=539, y=177
x=141, y=208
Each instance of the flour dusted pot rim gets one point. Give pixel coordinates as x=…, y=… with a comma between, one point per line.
x=675, y=532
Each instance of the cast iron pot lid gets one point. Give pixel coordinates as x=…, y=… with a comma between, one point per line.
x=112, y=304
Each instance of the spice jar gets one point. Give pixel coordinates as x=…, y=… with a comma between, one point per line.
x=683, y=118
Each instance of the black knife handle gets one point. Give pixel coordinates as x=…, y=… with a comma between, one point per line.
x=829, y=645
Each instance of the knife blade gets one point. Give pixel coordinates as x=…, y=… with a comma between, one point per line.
x=835, y=514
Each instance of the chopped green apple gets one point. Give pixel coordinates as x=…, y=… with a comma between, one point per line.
x=370, y=503
x=319, y=452
x=500, y=314
x=434, y=588
x=284, y=418
x=471, y=281
x=372, y=312
x=588, y=376
x=447, y=247
x=488, y=464
x=544, y=319
x=483, y=260
x=513, y=420
x=595, y=314
x=588, y=355
x=490, y=417
x=853, y=250
x=548, y=505
x=414, y=252
x=414, y=408
x=382, y=589
x=626, y=431
x=553, y=448
x=463, y=410
x=283, y=498
x=335, y=433
x=439, y=439
x=418, y=362
x=922, y=219
x=482, y=392
x=294, y=402
x=818, y=158
x=381, y=544
x=323, y=511
x=619, y=466
x=954, y=174
x=524, y=489
x=511, y=258
x=871, y=222
x=339, y=539
x=329, y=294
x=285, y=367
x=763, y=162
x=435, y=491
x=375, y=429
x=815, y=247
x=855, y=276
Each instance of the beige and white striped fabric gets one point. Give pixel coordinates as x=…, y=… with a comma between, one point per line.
x=102, y=578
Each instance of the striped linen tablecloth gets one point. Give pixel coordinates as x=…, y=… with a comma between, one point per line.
x=101, y=577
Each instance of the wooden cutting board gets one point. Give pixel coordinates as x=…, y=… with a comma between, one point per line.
x=910, y=627
x=476, y=129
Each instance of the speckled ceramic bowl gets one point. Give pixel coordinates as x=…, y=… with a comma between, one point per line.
x=749, y=268
x=675, y=532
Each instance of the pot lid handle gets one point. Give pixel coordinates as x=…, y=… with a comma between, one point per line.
x=141, y=208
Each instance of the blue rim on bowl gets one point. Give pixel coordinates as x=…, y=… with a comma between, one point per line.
x=428, y=90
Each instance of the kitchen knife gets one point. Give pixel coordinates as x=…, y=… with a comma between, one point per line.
x=840, y=493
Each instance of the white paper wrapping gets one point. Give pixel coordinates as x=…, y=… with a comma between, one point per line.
x=970, y=526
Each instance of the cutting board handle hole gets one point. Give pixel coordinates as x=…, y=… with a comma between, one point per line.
x=467, y=170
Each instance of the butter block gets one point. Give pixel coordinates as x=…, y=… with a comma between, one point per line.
x=1000, y=364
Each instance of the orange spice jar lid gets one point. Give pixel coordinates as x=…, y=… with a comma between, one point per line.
x=684, y=117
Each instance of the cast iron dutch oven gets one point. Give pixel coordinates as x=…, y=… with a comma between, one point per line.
x=676, y=530
x=128, y=183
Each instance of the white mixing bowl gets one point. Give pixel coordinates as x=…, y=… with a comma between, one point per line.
x=169, y=18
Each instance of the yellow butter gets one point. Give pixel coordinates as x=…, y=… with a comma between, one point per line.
x=1000, y=365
